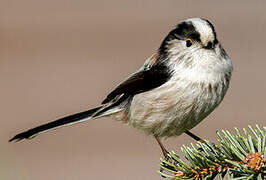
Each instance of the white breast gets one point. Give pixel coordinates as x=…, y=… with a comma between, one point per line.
x=181, y=103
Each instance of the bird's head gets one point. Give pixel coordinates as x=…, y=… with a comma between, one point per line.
x=192, y=37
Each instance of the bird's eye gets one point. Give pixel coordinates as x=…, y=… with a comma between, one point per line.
x=189, y=42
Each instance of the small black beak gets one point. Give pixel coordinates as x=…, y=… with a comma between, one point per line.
x=210, y=45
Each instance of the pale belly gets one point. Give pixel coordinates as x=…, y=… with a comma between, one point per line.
x=171, y=110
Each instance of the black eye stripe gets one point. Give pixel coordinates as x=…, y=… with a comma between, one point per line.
x=187, y=30
x=181, y=31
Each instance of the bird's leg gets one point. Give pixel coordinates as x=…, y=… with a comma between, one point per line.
x=195, y=137
x=164, y=151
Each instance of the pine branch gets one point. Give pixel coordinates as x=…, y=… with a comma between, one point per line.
x=241, y=155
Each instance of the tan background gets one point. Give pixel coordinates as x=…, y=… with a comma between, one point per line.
x=61, y=57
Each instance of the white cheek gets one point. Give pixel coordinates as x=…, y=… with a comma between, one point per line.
x=200, y=65
x=177, y=50
x=176, y=47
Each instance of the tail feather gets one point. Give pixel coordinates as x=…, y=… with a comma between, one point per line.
x=72, y=119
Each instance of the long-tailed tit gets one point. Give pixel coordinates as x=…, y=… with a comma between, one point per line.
x=175, y=89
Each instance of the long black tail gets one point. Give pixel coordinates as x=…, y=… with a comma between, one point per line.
x=72, y=119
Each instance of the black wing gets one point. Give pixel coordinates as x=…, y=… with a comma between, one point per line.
x=141, y=81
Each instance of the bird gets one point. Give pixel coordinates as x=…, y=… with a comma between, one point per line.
x=174, y=90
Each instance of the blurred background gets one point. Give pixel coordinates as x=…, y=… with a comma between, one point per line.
x=60, y=57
